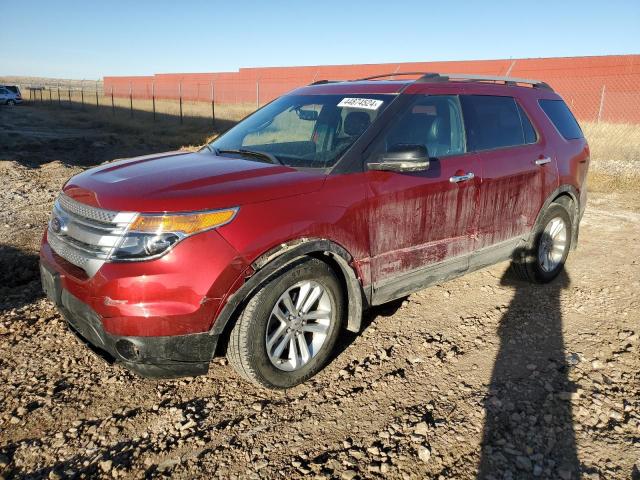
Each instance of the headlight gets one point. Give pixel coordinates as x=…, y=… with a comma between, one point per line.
x=149, y=236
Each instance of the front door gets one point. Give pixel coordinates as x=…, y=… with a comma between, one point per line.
x=420, y=220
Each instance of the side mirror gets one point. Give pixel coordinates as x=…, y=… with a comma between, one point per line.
x=402, y=158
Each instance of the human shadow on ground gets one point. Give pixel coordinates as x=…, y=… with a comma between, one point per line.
x=19, y=277
x=528, y=431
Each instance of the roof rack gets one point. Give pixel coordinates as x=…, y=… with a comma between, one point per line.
x=490, y=78
x=422, y=75
x=429, y=77
x=321, y=82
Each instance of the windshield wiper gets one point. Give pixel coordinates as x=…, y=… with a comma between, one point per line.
x=253, y=153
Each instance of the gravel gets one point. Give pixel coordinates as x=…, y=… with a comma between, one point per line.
x=482, y=376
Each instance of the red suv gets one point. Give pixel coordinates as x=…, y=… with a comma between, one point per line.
x=331, y=199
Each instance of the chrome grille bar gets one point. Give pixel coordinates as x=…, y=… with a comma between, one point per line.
x=84, y=235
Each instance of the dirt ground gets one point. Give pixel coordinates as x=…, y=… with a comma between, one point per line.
x=481, y=377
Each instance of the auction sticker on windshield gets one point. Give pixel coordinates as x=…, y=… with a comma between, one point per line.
x=366, y=103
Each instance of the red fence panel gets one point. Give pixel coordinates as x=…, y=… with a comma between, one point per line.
x=605, y=88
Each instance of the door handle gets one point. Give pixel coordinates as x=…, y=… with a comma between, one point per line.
x=542, y=161
x=462, y=178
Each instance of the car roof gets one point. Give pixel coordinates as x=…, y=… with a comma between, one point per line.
x=468, y=83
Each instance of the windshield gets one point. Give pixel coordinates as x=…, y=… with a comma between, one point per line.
x=307, y=131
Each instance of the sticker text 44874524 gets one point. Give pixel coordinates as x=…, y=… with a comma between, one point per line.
x=365, y=103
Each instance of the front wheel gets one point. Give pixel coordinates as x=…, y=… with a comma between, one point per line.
x=288, y=329
x=549, y=247
x=11, y=103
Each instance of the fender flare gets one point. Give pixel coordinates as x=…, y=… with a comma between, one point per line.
x=274, y=260
x=575, y=215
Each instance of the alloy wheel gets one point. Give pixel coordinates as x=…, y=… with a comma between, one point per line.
x=298, y=325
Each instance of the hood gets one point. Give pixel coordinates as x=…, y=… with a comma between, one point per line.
x=183, y=181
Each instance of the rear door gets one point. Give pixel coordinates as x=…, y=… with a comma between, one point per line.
x=514, y=162
x=422, y=219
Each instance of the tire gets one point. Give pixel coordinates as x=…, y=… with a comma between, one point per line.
x=531, y=264
x=257, y=324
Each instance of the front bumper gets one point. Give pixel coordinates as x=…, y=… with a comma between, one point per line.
x=153, y=357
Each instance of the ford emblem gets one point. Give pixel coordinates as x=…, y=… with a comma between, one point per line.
x=58, y=225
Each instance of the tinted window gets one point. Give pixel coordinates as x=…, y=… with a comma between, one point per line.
x=433, y=121
x=491, y=122
x=530, y=135
x=562, y=118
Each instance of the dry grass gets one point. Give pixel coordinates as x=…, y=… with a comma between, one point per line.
x=615, y=156
x=615, y=148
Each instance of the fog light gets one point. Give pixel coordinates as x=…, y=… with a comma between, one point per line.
x=127, y=350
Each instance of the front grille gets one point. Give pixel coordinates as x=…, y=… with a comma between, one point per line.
x=84, y=235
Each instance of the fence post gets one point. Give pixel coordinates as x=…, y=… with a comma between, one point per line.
x=153, y=98
x=97, y=102
x=113, y=105
x=213, y=106
x=41, y=96
x=50, y=98
x=601, y=103
x=257, y=93
x=180, y=95
x=82, y=93
x=69, y=92
x=130, y=100
x=59, y=101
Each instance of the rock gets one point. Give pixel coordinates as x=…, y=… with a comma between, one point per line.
x=424, y=454
x=168, y=464
x=421, y=429
x=524, y=463
x=106, y=466
x=261, y=464
x=349, y=474
x=373, y=451
x=597, y=365
x=564, y=474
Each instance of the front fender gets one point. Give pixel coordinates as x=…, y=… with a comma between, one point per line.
x=268, y=264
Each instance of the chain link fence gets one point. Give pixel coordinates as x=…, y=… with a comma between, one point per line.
x=607, y=107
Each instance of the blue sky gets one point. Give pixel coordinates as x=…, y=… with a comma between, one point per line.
x=73, y=39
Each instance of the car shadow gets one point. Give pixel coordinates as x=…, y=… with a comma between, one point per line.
x=19, y=278
x=528, y=430
x=368, y=317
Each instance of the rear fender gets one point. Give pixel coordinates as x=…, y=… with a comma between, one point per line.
x=576, y=214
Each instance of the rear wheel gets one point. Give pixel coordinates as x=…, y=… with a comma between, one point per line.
x=545, y=256
x=289, y=327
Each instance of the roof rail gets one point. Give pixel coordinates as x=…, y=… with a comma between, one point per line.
x=428, y=77
x=373, y=77
x=431, y=77
x=490, y=78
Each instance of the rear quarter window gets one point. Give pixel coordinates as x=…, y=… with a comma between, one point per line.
x=562, y=118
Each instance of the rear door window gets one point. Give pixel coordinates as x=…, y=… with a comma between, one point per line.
x=492, y=122
x=434, y=121
x=530, y=135
x=562, y=118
